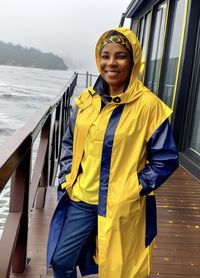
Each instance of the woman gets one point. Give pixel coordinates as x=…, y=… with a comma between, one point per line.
x=117, y=150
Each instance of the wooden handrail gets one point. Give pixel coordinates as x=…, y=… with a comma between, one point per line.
x=28, y=185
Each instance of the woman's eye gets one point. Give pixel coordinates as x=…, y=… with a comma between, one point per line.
x=104, y=57
x=121, y=56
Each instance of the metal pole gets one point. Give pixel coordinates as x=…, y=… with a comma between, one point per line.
x=86, y=79
x=90, y=79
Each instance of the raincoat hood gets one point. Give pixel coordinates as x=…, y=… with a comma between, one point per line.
x=137, y=55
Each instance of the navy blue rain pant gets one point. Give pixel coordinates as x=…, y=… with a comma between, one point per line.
x=80, y=223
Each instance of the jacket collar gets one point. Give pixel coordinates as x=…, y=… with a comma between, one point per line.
x=133, y=91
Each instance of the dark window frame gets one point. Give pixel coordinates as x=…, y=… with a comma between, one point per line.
x=180, y=118
x=180, y=115
x=192, y=100
x=150, y=46
x=167, y=45
x=185, y=96
x=142, y=19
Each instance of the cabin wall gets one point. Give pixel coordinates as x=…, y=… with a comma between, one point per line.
x=169, y=32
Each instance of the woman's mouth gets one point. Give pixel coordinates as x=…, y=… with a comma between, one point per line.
x=112, y=72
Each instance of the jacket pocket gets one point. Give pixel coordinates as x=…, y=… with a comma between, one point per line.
x=125, y=195
x=136, y=188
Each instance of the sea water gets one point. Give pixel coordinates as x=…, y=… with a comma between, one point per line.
x=22, y=92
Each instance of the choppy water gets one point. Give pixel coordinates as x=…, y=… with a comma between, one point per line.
x=22, y=92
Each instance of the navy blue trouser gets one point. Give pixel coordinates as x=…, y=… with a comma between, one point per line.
x=80, y=223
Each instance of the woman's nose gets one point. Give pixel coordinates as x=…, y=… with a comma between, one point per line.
x=112, y=61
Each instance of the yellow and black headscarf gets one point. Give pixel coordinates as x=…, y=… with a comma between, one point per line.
x=115, y=37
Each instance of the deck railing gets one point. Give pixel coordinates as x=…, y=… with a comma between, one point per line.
x=29, y=184
x=89, y=78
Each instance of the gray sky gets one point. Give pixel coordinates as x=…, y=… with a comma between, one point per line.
x=68, y=28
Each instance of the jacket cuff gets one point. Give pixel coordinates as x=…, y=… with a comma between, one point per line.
x=61, y=180
x=60, y=191
x=144, y=186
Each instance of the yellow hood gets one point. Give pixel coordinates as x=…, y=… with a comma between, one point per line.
x=137, y=53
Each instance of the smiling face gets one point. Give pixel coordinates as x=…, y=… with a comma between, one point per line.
x=115, y=66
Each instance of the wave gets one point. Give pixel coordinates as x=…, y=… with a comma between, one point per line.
x=6, y=131
x=9, y=96
x=6, y=122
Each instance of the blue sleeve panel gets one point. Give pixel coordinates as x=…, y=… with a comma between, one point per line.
x=67, y=151
x=162, y=156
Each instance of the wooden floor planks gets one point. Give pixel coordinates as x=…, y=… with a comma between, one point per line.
x=177, y=251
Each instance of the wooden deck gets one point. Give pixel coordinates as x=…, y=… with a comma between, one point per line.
x=177, y=252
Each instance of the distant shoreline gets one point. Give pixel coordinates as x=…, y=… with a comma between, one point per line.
x=31, y=67
x=16, y=55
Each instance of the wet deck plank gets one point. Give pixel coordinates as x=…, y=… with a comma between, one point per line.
x=177, y=252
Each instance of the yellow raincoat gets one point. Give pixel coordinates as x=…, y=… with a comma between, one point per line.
x=128, y=121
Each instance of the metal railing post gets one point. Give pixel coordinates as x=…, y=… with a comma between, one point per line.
x=90, y=79
x=44, y=164
x=86, y=79
x=19, y=202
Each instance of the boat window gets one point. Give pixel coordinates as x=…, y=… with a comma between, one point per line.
x=195, y=137
x=141, y=30
x=167, y=87
x=127, y=22
x=194, y=104
x=146, y=36
x=154, y=63
x=135, y=26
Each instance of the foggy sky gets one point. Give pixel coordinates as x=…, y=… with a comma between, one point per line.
x=68, y=28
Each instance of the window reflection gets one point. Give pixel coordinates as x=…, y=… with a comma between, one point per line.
x=195, y=138
x=172, y=60
x=141, y=30
x=145, y=38
x=135, y=26
x=152, y=77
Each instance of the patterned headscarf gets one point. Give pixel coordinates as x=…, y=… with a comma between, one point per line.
x=116, y=37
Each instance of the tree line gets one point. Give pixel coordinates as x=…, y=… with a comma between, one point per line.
x=16, y=55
